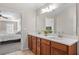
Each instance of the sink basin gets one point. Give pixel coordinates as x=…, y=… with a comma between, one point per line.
x=52, y=37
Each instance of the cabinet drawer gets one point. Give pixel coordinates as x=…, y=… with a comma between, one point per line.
x=59, y=46
x=45, y=41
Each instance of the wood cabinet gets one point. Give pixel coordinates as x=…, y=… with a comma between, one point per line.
x=42, y=46
x=61, y=49
x=58, y=52
x=29, y=42
x=58, y=49
x=72, y=50
x=34, y=44
x=45, y=47
x=38, y=46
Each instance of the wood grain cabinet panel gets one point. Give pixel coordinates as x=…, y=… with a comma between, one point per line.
x=52, y=51
x=72, y=50
x=58, y=52
x=58, y=49
x=38, y=46
x=34, y=44
x=45, y=47
x=59, y=46
x=61, y=49
x=29, y=42
x=42, y=46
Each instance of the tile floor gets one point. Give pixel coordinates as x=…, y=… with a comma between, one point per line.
x=9, y=47
x=24, y=52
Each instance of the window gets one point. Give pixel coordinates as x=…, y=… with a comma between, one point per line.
x=10, y=28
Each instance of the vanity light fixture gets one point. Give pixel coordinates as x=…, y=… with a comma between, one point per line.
x=49, y=8
x=52, y=7
x=44, y=10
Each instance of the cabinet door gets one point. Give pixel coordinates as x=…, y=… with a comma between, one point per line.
x=72, y=50
x=29, y=42
x=59, y=46
x=52, y=51
x=34, y=44
x=45, y=47
x=58, y=52
x=38, y=46
x=58, y=49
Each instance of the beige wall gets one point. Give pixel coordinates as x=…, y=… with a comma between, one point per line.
x=28, y=25
x=77, y=25
x=66, y=21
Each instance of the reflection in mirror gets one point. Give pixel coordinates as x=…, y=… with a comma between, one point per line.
x=60, y=20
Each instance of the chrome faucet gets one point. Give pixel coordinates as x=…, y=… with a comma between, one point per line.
x=60, y=34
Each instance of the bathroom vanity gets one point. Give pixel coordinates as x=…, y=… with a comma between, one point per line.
x=44, y=45
x=61, y=21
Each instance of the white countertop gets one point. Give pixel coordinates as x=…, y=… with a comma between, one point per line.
x=63, y=40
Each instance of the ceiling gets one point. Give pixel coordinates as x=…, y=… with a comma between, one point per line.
x=32, y=6
x=61, y=7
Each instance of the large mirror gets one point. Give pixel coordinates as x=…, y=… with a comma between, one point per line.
x=57, y=18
